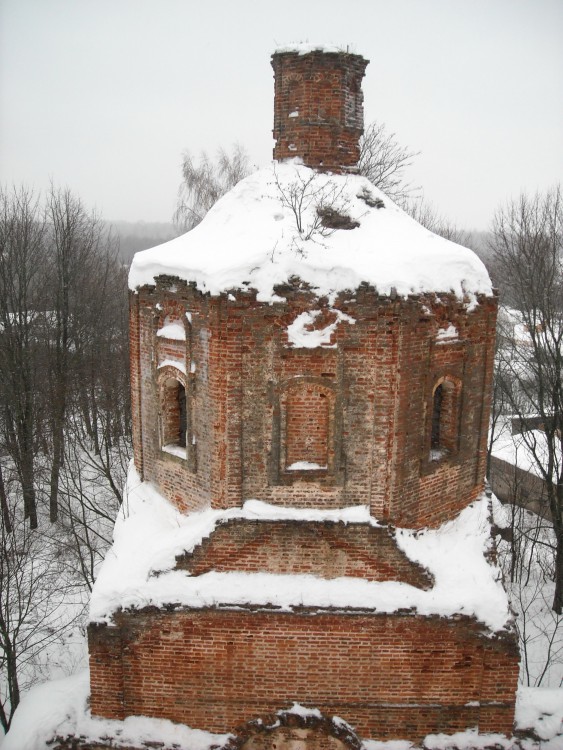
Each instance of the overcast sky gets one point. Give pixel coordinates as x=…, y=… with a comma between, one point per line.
x=103, y=96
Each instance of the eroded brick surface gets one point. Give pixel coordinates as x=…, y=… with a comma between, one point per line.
x=387, y=675
x=318, y=108
x=361, y=411
x=327, y=550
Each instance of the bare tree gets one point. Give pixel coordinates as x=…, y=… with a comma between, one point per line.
x=525, y=556
x=90, y=494
x=23, y=318
x=204, y=182
x=527, y=240
x=384, y=162
x=34, y=613
x=87, y=293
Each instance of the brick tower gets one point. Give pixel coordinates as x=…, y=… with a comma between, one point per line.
x=310, y=369
x=318, y=108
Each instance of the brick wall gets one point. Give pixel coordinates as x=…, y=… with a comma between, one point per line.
x=318, y=108
x=387, y=675
x=307, y=421
x=369, y=411
x=513, y=485
x=327, y=550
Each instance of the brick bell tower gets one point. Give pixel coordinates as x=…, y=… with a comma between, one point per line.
x=318, y=108
x=374, y=417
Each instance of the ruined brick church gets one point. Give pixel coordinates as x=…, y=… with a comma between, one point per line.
x=311, y=382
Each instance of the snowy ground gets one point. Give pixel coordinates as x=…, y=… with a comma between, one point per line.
x=46, y=574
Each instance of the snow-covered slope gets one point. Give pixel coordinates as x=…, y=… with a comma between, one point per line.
x=267, y=229
x=149, y=533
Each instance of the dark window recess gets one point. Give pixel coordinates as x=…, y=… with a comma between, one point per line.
x=444, y=435
x=436, y=418
x=182, y=418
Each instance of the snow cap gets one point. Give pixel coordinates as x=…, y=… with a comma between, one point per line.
x=334, y=232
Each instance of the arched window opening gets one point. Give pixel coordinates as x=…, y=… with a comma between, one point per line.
x=444, y=432
x=174, y=417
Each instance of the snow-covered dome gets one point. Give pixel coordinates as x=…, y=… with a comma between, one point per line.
x=333, y=232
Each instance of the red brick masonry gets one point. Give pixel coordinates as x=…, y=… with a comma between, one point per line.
x=398, y=675
x=253, y=401
x=327, y=550
x=318, y=108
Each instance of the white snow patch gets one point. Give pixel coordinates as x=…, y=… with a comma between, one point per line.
x=305, y=466
x=260, y=509
x=520, y=450
x=470, y=739
x=242, y=243
x=172, y=330
x=437, y=454
x=304, y=48
x=540, y=709
x=178, y=364
x=302, y=335
x=150, y=533
x=174, y=450
x=445, y=335
x=303, y=711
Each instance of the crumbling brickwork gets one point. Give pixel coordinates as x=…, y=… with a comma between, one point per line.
x=359, y=410
x=327, y=550
x=391, y=676
x=391, y=413
x=318, y=108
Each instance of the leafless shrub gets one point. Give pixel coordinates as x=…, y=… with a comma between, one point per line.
x=384, y=162
x=204, y=182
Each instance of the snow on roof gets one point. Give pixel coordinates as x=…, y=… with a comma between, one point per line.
x=150, y=533
x=269, y=228
x=304, y=48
